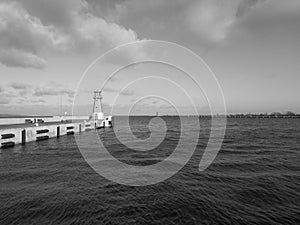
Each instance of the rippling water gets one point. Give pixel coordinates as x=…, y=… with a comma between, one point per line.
x=254, y=179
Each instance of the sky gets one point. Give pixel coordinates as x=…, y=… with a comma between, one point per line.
x=251, y=46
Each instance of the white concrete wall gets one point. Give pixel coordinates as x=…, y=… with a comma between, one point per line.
x=17, y=139
x=31, y=132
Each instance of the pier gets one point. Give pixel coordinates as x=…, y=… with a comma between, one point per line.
x=11, y=135
x=21, y=130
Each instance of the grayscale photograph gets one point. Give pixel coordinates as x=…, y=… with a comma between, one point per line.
x=161, y=112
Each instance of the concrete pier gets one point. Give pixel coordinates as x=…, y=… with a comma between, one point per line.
x=23, y=133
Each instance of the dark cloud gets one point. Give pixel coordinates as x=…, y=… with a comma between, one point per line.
x=22, y=37
x=32, y=29
x=272, y=16
x=54, y=12
x=29, y=29
x=20, y=86
x=108, y=9
x=5, y=97
x=124, y=92
x=204, y=23
x=4, y=100
x=19, y=58
x=247, y=5
x=53, y=91
x=38, y=101
x=24, y=93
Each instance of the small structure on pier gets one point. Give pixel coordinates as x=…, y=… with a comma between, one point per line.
x=98, y=117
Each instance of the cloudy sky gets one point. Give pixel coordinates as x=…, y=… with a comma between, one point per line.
x=252, y=46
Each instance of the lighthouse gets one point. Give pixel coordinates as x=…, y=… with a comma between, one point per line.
x=97, y=107
x=98, y=117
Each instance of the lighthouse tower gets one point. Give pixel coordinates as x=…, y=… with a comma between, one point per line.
x=97, y=108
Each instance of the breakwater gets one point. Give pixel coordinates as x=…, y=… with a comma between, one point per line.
x=14, y=135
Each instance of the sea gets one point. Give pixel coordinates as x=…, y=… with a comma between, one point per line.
x=254, y=179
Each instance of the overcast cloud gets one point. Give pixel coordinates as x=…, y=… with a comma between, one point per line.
x=29, y=29
x=61, y=27
x=249, y=44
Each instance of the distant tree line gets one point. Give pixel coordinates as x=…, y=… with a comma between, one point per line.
x=273, y=114
x=288, y=114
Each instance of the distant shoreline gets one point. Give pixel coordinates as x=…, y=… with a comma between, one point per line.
x=282, y=116
x=254, y=116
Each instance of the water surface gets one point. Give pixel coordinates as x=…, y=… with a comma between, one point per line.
x=255, y=179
